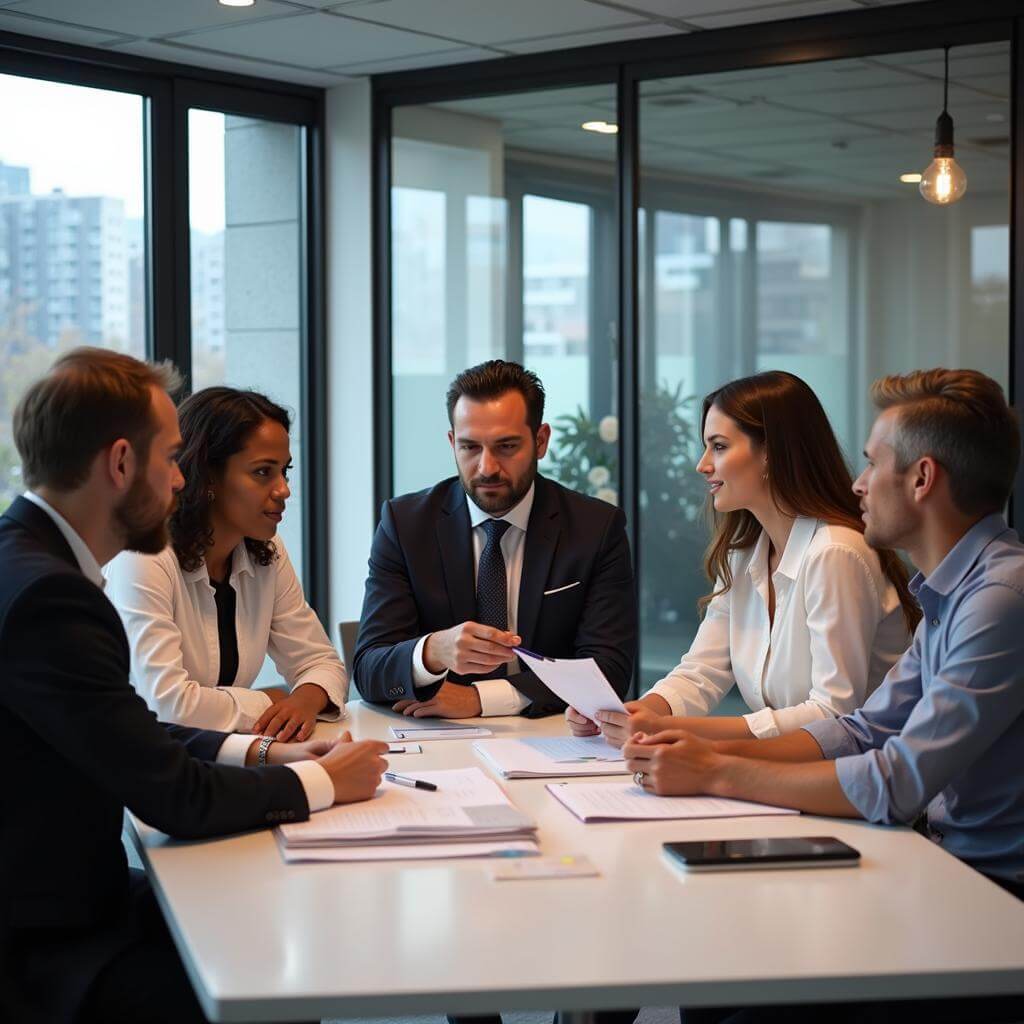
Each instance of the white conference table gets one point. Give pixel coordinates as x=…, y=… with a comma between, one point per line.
x=266, y=941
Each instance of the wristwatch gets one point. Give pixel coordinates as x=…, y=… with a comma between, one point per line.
x=261, y=751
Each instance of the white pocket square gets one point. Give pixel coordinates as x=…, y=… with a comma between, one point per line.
x=558, y=590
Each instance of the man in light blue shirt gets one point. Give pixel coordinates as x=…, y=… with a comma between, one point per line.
x=944, y=731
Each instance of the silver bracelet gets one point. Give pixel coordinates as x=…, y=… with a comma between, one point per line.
x=261, y=751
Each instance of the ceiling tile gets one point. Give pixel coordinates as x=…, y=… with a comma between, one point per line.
x=183, y=54
x=150, y=17
x=776, y=12
x=485, y=21
x=315, y=40
x=566, y=42
x=14, y=20
x=441, y=58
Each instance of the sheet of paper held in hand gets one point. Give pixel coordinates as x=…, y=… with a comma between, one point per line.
x=625, y=801
x=578, y=681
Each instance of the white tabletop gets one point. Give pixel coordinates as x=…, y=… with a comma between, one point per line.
x=267, y=941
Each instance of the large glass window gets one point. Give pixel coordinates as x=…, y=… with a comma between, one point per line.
x=776, y=234
x=246, y=229
x=72, y=234
x=503, y=245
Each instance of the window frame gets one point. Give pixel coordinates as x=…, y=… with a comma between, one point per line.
x=168, y=91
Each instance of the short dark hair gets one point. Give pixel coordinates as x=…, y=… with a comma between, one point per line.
x=961, y=419
x=215, y=424
x=88, y=399
x=494, y=378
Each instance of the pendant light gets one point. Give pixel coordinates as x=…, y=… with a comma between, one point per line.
x=944, y=181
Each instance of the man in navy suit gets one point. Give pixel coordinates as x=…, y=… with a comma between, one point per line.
x=81, y=937
x=493, y=558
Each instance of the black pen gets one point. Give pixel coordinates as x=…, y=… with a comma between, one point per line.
x=404, y=780
x=532, y=654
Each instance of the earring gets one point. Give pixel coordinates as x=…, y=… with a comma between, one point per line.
x=210, y=495
x=764, y=476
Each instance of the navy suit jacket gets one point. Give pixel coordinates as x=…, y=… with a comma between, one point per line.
x=421, y=580
x=80, y=745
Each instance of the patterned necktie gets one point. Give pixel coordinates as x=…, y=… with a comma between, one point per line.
x=491, y=581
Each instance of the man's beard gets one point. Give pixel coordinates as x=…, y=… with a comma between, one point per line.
x=142, y=520
x=503, y=501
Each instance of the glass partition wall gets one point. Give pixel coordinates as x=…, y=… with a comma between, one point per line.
x=743, y=219
x=779, y=235
x=503, y=246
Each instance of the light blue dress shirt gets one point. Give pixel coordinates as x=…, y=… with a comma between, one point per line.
x=945, y=730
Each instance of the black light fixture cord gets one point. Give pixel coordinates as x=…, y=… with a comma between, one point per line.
x=945, y=86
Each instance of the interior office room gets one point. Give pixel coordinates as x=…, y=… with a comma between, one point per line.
x=343, y=204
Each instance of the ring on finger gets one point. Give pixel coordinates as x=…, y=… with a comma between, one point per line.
x=638, y=778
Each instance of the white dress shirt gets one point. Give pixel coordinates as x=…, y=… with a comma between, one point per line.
x=838, y=629
x=497, y=696
x=171, y=620
x=316, y=783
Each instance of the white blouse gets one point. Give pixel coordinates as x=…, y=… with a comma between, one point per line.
x=838, y=630
x=171, y=620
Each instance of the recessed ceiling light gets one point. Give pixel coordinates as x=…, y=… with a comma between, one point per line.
x=236, y=3
x=995, y=118
x=910, y=179
x=602, y=127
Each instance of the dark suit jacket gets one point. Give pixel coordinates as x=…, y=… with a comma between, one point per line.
x=422, y=580
x=79, y=745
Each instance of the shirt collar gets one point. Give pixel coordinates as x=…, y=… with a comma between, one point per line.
x=86, y=559
x=959, y=560
x=241, y=564
x=800, y=536
x=517, y=516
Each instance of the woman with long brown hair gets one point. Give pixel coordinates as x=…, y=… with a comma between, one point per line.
x=804, y=617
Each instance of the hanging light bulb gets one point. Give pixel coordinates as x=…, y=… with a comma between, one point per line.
x=943, y=181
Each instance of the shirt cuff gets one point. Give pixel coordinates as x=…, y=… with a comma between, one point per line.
x=316, y=782
x=421, y=675
x=251, y=704
x=234, y=748
x=762, y=723
x=833, y=739
x=499, y=697
x=676, y=704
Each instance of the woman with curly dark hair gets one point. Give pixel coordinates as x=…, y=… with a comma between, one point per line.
x=202, y=615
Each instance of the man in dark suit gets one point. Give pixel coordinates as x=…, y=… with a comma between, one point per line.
x=80, y=936
x=494, y=558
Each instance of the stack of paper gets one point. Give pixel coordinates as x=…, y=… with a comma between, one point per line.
x=550, y=757
x=626, y=802
x=439, y=730
x=468, y=815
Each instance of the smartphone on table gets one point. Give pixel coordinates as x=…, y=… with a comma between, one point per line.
x=788, y=852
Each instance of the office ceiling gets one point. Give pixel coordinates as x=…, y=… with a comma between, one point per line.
x=326, y=42
x=845, y=129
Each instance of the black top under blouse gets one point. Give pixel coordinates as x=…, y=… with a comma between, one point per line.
x=227, y=637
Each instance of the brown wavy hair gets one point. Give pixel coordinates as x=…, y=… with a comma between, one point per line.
x=215, y=424
x=807, y=474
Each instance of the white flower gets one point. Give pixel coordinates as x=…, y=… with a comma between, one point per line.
x=608, y=429
x=609, y=494
x=599, y=476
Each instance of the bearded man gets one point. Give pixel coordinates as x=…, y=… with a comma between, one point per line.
x=491, y=559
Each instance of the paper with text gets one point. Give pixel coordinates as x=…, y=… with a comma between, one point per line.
x=577, y=681
x=624, y=801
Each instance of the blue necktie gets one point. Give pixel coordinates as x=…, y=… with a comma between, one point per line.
x=491, y=581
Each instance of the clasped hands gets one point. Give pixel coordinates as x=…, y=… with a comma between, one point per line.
x=470, y=648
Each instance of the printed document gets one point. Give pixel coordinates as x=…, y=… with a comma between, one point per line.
x=625, y=801
x=551, y=757
x=578, y=681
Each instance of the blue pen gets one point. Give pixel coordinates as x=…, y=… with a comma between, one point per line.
x=532, y=654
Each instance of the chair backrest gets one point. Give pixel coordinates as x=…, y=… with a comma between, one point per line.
x=348, y=631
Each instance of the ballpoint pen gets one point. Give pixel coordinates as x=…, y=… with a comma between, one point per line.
x=404, y=780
